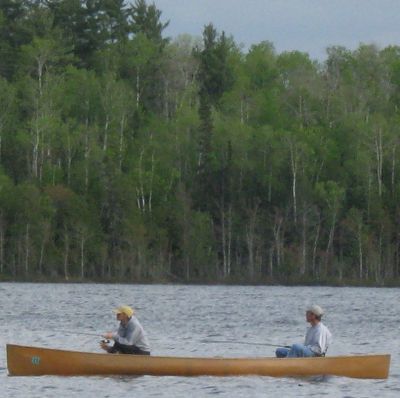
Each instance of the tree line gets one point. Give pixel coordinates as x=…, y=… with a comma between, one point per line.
x=128, y=156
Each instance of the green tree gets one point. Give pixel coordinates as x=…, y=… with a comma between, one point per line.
x=214, y=78
x=14, y=33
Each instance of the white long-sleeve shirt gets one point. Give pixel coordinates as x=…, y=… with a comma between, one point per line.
x=132, y=334
x=318, y=338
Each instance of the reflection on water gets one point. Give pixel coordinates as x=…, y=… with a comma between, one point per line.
x=180, y=319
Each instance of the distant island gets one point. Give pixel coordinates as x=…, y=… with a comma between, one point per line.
x=128, y=156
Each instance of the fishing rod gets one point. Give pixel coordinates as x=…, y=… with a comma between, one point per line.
x=244, y=342
x=74, y=332
x=202, y=341
x=106, y=341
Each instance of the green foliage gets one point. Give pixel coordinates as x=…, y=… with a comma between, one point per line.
x=146, y=19
x=126, y=156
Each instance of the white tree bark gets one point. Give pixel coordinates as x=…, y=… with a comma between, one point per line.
x=379, y=159
x=66, y=255
x=137, y=88
x=140, y=190
x=315, y=246
x=105, y=139
x=294, y=166
x=121, y=140
x=82, y=254
x=277, y=236
x=151, y=182
x=304, y=242
x=360, y=251
x=251, y=238
x=27, y=251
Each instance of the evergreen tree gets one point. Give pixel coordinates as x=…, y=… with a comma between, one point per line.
x=13, y=34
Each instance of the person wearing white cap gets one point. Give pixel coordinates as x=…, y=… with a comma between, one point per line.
x=130, y=338
x=317, y=341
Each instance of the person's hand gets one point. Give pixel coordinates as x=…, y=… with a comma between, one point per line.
x=104, y=345
x=108, y=336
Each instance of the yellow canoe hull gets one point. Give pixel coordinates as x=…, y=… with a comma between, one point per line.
x=37, y=361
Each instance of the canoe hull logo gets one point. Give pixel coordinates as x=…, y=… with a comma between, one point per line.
x=35, y=360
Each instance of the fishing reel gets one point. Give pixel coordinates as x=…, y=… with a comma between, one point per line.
x=105, y=341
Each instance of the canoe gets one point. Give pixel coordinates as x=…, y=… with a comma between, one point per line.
x=37, y=361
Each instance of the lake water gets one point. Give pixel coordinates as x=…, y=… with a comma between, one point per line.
x=177, y=320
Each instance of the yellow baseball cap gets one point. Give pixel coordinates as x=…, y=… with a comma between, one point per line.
x=124, y=309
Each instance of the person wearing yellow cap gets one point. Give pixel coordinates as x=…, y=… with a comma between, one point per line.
x=317, y=340
x=130, y=338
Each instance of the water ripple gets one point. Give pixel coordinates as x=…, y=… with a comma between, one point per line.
x=180, y=319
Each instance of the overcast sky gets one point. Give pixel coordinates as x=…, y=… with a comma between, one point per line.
x=306, y=25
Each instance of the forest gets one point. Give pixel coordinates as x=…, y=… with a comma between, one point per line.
x=129, y=156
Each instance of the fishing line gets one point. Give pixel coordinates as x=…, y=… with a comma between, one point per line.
x=244, y=342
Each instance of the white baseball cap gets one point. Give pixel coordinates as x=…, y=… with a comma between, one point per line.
x=316, y=310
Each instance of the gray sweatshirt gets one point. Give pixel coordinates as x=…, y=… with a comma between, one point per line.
x=132, y=334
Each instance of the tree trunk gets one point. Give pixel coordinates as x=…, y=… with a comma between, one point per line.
x=304, y=243
x=40, y=268
x=151, y=183
x=294, y=166
x=36, y=142
x=166, y=99
x=315, y=246
x=121, y=141
x=140, y=190
x=82, y=256
x=270, y=186
x=229, y=242
x=271, y=262
x=69, y=160
x=66, y=255
x=1, y=243
x=121, y=265
x=360, y=252
x=330, y=241
x=87, y=149
x=137, y=88
x=105, y=139
x=223, y=241
x=378, y=268
x=277, y=236
x=379, y=159
x=393, y=168
x=86, y=165
x=27, y=252
x=226, y=239
x=242, y=109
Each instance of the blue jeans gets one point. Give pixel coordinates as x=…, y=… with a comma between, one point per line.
x=295, y=351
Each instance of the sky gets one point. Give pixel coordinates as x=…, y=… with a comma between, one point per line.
x=305, y=25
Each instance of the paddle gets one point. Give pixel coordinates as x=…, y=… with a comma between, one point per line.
x=244, y=342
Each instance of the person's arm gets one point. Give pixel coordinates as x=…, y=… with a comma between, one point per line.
x=131, y=336
x=316, y=348
x=314, y=341
x=325, y=340
x=320, y=341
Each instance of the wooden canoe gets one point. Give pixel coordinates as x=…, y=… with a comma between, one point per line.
x=36, y=361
